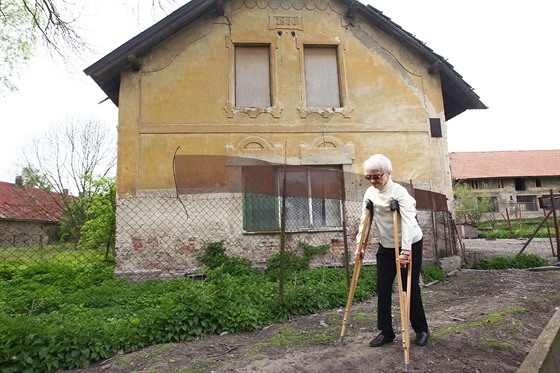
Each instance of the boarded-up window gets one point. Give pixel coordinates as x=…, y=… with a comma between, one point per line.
x=252, y=76
x=321, y=77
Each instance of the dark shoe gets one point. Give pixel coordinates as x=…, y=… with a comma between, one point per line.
x=422, y=338
x=380, y=340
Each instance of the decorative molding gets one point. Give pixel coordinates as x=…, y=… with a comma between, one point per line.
x=255, y=147
x=326, y=150
x=287, y=4
x=285, y=22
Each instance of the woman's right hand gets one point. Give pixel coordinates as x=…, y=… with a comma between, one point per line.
x=358, y=253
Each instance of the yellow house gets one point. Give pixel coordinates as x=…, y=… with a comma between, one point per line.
x=221, y=85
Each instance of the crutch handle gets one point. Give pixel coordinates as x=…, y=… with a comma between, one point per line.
x=369, y=206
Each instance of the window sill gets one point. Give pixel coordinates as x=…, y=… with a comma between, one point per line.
x=253, y=112
x=325, y=112
x=297, y=230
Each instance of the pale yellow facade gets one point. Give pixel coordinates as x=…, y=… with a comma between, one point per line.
x=183, y=97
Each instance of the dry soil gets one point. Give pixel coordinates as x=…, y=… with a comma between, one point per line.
x=481, y=321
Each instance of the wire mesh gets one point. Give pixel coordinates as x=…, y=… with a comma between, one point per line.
x=160, y=233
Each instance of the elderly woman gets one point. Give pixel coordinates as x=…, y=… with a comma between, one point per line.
x=377, y=170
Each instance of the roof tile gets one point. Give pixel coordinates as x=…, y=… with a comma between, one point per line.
x=522, y=163
x=24, y=203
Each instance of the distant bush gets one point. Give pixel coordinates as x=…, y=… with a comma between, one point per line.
x=431, y=274
x=519, y=261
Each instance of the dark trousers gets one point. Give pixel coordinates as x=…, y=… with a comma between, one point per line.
x=386, y=274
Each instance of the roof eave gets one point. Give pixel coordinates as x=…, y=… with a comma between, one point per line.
x=106, y=72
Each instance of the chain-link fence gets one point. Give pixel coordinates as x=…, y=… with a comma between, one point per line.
x=538, y=232
x=161, y=235
x=258, y=210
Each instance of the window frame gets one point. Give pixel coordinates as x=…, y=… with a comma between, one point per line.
x=252, y=41
x=324, y=41
x=527, y=202
x=326, y=79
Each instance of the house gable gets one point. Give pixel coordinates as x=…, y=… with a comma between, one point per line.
x=458, y=95
x=177, y=89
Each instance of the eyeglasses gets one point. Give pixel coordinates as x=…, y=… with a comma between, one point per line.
x=374, y=177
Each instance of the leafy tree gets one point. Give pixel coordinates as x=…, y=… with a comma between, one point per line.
x=17, y=39
x=26, y=23
x=33, y=178
x=470, y=207
x=98, y=229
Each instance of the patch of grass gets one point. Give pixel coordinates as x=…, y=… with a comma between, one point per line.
x=495, y=317
x=519, y=261
x=362, y=318
x=431, y=274
x=520, y=228
x=289, y=336
x=547, y=298
x=493, y=343
x=198, y=366
x=166, y=359
x=513, y=310
x=514, y=327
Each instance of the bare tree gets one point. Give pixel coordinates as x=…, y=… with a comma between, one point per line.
x=70, y=158
x=68, y=152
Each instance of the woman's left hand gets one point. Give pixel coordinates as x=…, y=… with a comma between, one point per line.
x=403, y=260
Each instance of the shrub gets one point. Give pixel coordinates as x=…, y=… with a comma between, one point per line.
x=529, y=261
x=214, y=256
x=431, y=274
x=520, y=261
x=294, y=263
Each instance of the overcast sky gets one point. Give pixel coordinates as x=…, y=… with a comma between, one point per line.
x=508, y=51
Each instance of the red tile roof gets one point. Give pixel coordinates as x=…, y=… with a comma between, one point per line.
x=480, y=165
x=18, y=202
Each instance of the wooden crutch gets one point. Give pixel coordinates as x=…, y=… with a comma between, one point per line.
x=357, y=267
x=404, y=296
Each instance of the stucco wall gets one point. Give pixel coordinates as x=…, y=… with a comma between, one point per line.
x=179, y=98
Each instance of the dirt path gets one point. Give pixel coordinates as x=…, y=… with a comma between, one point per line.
x=481, y=321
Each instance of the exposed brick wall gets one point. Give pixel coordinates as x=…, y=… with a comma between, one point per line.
x=160, y=235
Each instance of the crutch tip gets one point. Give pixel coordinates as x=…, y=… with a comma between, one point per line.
x=407, y=368
x=341, y=339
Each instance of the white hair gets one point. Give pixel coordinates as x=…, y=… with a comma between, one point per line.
x=377, y=162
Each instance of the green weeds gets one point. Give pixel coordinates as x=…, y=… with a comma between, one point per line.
x=519, y=261
x=57, y=316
